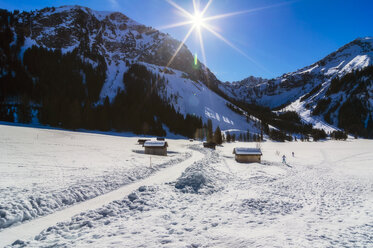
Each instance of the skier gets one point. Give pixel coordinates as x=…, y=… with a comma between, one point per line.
x=284, y=159
x=292, y=154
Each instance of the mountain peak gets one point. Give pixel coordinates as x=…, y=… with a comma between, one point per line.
x=99, y=15
x=367, y=38
x=355, y=55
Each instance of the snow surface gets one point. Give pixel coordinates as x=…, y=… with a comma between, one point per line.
x=322, y=197
x=306, y=115
x=44, y=170
x=114, y=80
x=247, y=151
x=190, y=97
x=152, y=143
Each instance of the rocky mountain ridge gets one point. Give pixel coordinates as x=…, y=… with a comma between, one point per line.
x=112, y=35
x=342, y=80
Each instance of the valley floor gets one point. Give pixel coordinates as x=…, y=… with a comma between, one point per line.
x=322, y=197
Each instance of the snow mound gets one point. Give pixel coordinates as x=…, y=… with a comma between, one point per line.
x=191, y=181
x=201, y=177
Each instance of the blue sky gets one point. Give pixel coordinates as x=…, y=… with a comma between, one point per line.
x=275, y=40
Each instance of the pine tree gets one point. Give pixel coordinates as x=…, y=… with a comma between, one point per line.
x=24, y=111
x=217, y=136
x=75, y=115
x=370, y=127
x=209, y=131
x=228, y=137
x=261, y=134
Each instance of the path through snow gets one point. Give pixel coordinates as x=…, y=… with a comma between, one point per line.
x=34, y=227
x=324, y=198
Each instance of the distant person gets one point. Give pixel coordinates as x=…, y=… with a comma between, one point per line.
x=292, y=154
x=283, y=159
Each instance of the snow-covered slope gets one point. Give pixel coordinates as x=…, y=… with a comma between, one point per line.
x=289, y=87
x=195, y=98
x=303, y=89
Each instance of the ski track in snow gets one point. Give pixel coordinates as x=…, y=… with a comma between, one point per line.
x=323, y=198
x=33, y=227
x=46, y=170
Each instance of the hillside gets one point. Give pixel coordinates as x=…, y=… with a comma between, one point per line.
x=312, y=92
x=75, y=59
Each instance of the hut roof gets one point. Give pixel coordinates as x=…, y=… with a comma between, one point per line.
x=247, y=151
x=155, y=144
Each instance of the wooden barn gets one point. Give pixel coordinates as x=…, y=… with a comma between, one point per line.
x=156, y=147
x=247, y=155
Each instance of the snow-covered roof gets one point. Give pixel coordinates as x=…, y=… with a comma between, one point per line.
x=154, y=143
x=247, y=151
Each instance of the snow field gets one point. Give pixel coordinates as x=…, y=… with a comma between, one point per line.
x=45, y=170
x=321, y=198
x=196, y=99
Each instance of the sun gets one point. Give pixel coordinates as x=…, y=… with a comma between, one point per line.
x=197, y=20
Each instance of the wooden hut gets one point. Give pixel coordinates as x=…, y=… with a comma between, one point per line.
x=142, y=141
x=156, y=147
x=211, y=145
x=247, y=155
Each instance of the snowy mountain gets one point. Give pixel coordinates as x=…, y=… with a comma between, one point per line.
x=305, y=90
x=106, y=45
x=72, y=57
x=112, y=35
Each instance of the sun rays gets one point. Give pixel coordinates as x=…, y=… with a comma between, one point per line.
x=199, y=22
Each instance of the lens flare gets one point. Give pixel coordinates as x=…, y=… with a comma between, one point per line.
x=199, y=21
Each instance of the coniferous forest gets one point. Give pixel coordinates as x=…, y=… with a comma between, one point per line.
x=65, y=92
